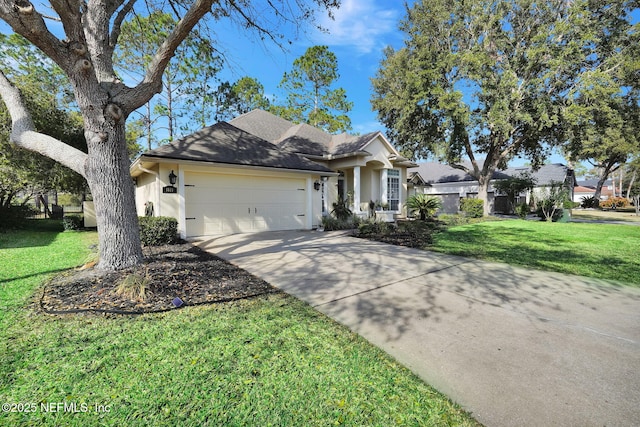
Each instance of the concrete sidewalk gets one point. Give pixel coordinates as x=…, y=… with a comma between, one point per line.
x=512, y=346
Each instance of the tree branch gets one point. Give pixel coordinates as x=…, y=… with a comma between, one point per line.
x=117, y=24
x=29, y=23
x=24, y=135
x=152, y=83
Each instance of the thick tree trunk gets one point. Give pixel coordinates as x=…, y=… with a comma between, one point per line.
x=114, y=198
x=483, y=194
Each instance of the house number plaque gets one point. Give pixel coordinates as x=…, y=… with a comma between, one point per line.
x=170, y=189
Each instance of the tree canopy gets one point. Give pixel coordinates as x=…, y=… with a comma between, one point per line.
x=81, y=38
x=310, y=97
x=482, y=80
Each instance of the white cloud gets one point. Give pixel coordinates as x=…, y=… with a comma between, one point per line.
x=362, y=24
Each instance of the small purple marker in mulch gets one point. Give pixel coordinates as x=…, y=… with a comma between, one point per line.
x=177, y=302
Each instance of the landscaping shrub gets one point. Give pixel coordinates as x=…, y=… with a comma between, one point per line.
x=15, y=216
x=522, y=210
x=425, y=205
x=588, y=202
x=72, y=222
x=373, y=226
x=341, y=209
x=472, y=208
x=158, y=230
x=551, y=200
x=330, y=223
x=614, y=202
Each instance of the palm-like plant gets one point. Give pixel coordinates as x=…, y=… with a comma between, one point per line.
x=424, y=204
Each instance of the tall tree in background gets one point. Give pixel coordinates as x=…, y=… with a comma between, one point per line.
x=187, y=82
x=480, y=80
x=603, y=115
x=248, y=94
x=310, y=98
x=84, y=53
x=238, y=98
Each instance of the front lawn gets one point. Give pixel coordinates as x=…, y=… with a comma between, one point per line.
x=604, y=251
x=265, y=361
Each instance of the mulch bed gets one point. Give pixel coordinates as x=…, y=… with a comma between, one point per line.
x=175, y=271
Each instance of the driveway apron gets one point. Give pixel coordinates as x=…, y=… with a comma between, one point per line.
x=513, y=346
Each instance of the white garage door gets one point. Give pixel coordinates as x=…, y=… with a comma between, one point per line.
x=223, y=204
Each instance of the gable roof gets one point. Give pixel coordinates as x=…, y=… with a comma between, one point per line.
x=438, y=173
x=226, y=144
x=545, y=175
x=303, y=138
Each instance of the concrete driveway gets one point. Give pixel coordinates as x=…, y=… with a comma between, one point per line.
x=512, y=346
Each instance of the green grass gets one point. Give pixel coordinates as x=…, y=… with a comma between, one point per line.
x=28, y=257
x=266, y=361
x=604, y=251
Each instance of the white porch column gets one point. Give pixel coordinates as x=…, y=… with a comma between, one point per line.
x=356, y=189
x=384, y=190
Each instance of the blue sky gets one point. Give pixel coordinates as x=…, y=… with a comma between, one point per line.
x=358, y=34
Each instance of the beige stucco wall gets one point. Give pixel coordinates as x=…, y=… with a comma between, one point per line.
x=146, y=191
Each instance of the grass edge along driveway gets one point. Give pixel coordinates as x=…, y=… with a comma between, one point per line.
x=267, y=361
x=603, y=251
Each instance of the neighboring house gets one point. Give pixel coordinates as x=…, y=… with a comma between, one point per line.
x=607, y=187
x=260, y=172
x=452, y=184
x=580, y=191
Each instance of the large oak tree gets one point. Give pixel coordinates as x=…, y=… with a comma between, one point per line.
x=482, y=81
x=85, y=55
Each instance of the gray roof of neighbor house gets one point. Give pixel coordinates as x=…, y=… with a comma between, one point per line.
x=593, y=183
x=437, y=173
x=434, y=173
x=301, y=138
x=226, y=144
x=554, y=172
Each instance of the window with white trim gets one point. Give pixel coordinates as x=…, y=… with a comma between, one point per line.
x=393, y=189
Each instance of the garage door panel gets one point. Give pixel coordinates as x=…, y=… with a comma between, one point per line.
x=223, y=204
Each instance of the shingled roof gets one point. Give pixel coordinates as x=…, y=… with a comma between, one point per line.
x=433, y=173
x=227, y=144
x=301, y=138
x=438, y=173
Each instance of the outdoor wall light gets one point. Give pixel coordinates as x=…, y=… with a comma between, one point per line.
x=316, y=185
x=172, y=177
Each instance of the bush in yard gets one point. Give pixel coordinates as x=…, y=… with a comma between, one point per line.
x=15, y=216
x=330, y=223
x=522, y=210
x=588, y=202
x=158, y=230
x=372, y=226
x=472, y=208
x=550, y=201
x=425, y=205
x=614, y=202
x=341, y=209
x=72, y=222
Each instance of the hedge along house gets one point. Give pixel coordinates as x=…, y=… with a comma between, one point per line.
x=262, y=173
